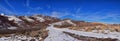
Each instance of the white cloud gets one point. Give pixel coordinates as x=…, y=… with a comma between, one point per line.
x=59, y=14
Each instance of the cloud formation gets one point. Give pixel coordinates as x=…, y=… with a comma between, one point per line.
x=107, y=17
x=59, y=14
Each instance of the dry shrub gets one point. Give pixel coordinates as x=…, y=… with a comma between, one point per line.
x=43, y=33
x=34, y=33
x=64, y=25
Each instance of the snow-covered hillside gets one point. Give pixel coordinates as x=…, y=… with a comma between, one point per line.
x=46, y=28
x=56, y=34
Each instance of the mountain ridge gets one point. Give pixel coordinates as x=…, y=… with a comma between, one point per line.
x=25, y=22
x=45, y=28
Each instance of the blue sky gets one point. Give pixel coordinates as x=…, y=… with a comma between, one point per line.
x=106, y=11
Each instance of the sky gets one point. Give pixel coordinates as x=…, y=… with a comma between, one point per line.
x=106, y=11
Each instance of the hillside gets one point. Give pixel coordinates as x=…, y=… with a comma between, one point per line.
x=46, y=28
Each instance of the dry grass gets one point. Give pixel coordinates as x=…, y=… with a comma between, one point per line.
x=99, y=28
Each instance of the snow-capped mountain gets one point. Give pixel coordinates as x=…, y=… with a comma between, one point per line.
x=46, y=28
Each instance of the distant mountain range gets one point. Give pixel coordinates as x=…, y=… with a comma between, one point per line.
x=36, y=26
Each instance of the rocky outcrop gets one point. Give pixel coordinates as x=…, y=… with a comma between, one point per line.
x=34, y=28
x=12, y=24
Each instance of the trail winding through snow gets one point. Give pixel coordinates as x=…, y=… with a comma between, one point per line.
x=58, y=35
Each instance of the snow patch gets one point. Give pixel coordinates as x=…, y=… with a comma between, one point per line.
x=60, y=23
x=2, y=14
x=40, y=19
x=17, y=38
x=16, y=20
x=69, y=21
x=12, y=28
x=58, y=35
x=28, y=19
x=113, y=35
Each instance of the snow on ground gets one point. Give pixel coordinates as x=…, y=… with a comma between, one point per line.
x=114, y=35
x=40, y=19
x=17, y=38
x=69, y=21
x=14, y=18
x=12, y=28
x=28, y=19
x=2, y=14
x=58, y=35
x=60, y=23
